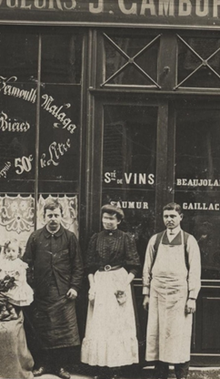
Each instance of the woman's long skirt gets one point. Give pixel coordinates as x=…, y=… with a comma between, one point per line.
x=110, y=338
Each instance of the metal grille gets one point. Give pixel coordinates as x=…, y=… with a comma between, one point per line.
x=202, y=63
x=130, y=60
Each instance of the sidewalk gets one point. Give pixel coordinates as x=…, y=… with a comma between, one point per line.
x=147, y=373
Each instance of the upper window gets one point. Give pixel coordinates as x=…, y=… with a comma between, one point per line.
x=198, y=62
x=131, y=60
x=61, y=58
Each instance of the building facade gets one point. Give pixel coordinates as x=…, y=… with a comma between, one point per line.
x=115, y=101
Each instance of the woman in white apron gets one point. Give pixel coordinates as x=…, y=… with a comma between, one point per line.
x=112, y=263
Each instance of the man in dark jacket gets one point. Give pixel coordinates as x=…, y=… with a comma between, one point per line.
x=55, y=273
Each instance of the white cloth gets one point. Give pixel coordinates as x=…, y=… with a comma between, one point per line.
x=110, y=338
x=194, y=261
x=169, y=327
x=21, y=294
x=172, y=233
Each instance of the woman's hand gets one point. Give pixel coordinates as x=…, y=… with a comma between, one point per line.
x=91, y=294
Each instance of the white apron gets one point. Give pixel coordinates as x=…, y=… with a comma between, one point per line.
x=169, y=327
x=110, y=338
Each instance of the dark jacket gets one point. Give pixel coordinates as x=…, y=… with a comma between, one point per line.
x=55, y=255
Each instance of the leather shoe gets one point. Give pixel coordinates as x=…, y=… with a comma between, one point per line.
x=63, y=373
x=40, y=371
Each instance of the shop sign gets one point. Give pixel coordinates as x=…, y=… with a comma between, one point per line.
x=130, y=204
x=136, y=178
x=202, y=13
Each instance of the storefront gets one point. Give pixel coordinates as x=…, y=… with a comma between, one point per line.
x=115, y=102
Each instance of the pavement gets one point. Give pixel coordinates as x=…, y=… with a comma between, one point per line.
x=147, y=373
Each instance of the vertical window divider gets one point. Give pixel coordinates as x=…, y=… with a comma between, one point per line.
x=36, y=191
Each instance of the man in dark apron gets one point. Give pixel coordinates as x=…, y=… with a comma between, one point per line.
x=171, y=283
x=55, y=273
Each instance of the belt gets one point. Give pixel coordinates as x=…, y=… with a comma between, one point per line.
x=109, y=268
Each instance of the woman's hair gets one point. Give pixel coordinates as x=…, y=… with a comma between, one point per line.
x=8, y=243
x=113, y=210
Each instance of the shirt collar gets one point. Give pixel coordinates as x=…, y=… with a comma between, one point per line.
x=174, y=231
x=57, y=234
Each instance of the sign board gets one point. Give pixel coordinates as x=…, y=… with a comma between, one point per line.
x=143, y=13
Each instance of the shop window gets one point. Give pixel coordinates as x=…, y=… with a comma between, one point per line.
x=197, y=184
x=61, y=58
x=18, y=57
x=131, y=60
x=198, y=62
x=129, y=160
x=59, y=150
x=40, y=76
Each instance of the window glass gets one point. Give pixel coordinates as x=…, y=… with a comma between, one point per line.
x=131, y=60
x=18, y=58
x=129, y=158
x=59, y=138
x=197, y=181
x=61, y=58
x=18, y=97
x=199, y=62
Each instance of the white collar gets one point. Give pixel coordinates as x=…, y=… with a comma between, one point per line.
x=174, y=231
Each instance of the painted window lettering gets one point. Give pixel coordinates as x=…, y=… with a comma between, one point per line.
x=57, y=112
x=7, y=87
x=9, y=125
x=55, y=151
x=5, y=169
x=23, y=164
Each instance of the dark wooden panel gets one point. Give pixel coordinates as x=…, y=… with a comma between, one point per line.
x=210, y=323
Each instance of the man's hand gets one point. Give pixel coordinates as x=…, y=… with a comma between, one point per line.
x=190, y=306
x=71, y=294
x=146, y=302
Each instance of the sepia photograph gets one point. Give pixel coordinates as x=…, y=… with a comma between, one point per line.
x=109, y=189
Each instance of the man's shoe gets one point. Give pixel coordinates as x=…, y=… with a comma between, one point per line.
x=40, y=371
x=63, y=374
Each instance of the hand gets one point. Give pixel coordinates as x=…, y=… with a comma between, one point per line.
x=91, y=294
x=71, y=294
x=190, y=306
x=146, y=302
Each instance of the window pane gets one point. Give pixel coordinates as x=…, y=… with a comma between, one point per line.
x=17, y=142
x=201, y=55
x=61, y=58
x=119, y=51
x=197, y=181
x=129, y=158
x=59, y=139
x=18, y=55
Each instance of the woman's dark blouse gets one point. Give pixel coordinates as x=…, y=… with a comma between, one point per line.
x=115, y=248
